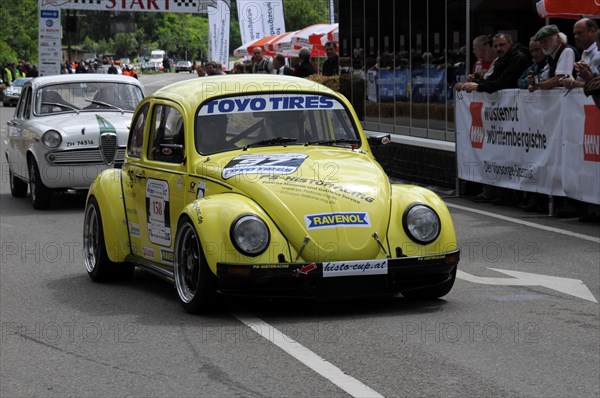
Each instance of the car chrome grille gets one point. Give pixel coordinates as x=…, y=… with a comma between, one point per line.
x=84, y=156
x=108, y=146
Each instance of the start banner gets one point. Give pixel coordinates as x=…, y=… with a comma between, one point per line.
x=546, y=141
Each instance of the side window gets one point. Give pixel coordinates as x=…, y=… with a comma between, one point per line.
x=20, y=111
x=166, y=135
x=27, y=103
x=136, y=134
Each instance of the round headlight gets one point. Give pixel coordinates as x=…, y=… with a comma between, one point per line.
x=421, y=223
x=51, y=139
x=250, y=235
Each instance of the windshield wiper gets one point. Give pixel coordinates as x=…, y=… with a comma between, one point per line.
x=104, y=103
x=272, y=141
x=61, y=105
x=333, y=142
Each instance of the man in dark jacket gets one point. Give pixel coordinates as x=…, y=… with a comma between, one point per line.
x=304, y=68
x=512, y=60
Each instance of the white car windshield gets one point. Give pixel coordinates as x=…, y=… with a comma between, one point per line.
x=87, y=97
x=273, y=119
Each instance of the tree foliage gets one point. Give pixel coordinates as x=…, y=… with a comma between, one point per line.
x=134, y=34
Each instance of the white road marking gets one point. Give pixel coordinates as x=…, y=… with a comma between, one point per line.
x=527, y=223
x=573, y=287
x=347, y=383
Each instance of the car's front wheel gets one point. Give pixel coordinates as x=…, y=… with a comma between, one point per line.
x=434, y=292
x=194, y=281
x=18, y=187
x=95, y=257
x=41, y=195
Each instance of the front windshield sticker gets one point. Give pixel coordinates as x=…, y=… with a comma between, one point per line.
x=268, y=103
x=270, y=164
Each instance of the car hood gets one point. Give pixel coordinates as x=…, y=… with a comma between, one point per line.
x=87, y=126
x=335, y=197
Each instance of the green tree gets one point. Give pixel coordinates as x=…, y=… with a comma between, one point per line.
x=18, y=37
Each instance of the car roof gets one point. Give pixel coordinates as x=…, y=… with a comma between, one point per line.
x=83, y=78
x=190, y=93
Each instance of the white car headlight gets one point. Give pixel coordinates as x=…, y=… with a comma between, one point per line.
x=421, y=223
x=51, y=139
x=250, y=235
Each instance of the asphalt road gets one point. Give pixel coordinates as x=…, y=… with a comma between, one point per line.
x=497, y=333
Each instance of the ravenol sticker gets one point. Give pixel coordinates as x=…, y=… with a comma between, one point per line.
x=355, y=268
x=333, y=220
x=268, y=103
x=271, y=164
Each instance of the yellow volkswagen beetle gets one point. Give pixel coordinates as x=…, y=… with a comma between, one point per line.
x=263, y=185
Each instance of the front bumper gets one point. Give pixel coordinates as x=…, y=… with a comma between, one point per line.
x=309, y=279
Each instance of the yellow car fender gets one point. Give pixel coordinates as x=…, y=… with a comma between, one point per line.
x=106, y=189
x=404, y=196
x=213, y=216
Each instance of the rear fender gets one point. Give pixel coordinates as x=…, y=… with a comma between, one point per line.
x=106, y=188
x=213, y=216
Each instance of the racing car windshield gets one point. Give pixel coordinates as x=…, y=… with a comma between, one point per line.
x=273, y=120
x=87, y=96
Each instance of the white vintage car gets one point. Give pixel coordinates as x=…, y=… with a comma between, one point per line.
x=67, y=129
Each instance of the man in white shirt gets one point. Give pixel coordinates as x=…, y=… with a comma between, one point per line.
x=585, y=31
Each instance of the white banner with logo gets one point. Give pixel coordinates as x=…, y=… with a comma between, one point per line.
x=218, y=32
x=260, y=18
x=542, y=142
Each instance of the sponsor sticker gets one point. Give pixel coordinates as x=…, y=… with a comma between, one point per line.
x=167, y=256
x=147, y=252
x=268, y=103
x=158, y=212
x=355, y=268
x=134, y=230
x=340, y=219
x=271, y=164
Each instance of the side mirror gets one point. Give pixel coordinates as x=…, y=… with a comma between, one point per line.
x=379, y=139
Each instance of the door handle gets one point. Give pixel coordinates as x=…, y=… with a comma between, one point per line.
x=140, y=176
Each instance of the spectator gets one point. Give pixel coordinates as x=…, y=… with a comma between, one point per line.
x=531, y=75
x=166, y=64
x=585, y=31
x=280, y=67
x=305, y=67
x=112, y=69
x=260, y=63
x=212, y=69
x=331, y=66
x=511, y=62
x=561, y=56
x=81, y=67
x=33, y=72
x=238, y=68
x=200, y=71
x=585, y=70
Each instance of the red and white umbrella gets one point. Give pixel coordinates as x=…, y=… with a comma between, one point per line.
x=568, y=8
x=245, y=50
x=302, y=38
x=281, y=43
x=333, y=36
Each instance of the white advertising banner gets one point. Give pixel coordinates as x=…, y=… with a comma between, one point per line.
x=260, y=18
x=542, y=142
x=218, y=32
x=192, y=6
x=49, y=40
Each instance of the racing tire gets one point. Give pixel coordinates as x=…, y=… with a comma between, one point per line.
x=95, y=257
x=41, y=195
x=18, y=187
x=195, y=282
x=432, y=293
